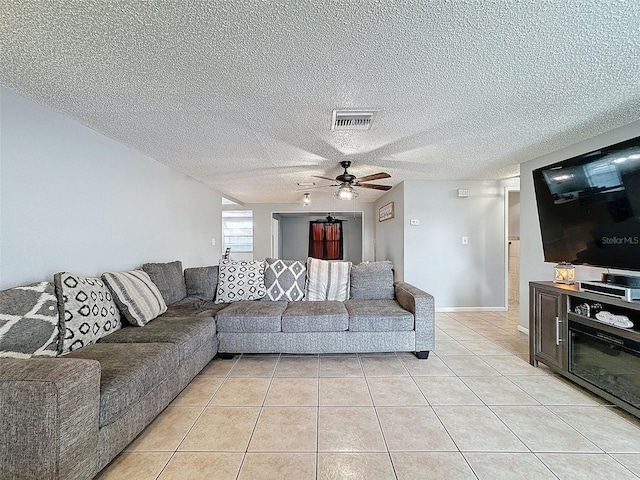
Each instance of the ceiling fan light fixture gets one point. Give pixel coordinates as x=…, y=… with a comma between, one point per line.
x=306, y=200
x=345, y=192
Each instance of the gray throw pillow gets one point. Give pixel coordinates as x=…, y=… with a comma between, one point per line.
x=372, y=281
x=169, y=279
x=29, y=321
x=201, y=282
x=284, y=279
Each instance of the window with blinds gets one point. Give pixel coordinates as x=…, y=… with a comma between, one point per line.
x=237, y=230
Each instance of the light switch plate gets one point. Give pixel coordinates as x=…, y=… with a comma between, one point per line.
x=415, y=221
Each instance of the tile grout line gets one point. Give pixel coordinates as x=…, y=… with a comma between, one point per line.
x=622, y=464
x=601, y=453
x=255, y=425
x=486, y=406
x=501, y=405
x=175, y=450
x=375, y=410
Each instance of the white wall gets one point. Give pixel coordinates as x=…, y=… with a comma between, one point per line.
x=390, y=233
x=263, y=213
x=459, y=276
x=532, y=265
x=352, y=230
x=294, y=238
x=73, y=199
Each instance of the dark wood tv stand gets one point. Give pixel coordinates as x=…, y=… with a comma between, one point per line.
x=555, y=329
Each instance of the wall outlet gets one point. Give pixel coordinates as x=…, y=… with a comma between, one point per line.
x=465, y=240
x=414, y=221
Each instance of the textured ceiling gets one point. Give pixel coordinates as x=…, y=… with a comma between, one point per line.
x=239, y=94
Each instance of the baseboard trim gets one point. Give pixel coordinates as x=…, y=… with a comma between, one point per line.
x=523, y=329
x=471, y=309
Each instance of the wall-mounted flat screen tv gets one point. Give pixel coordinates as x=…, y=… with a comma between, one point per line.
x=589, y=207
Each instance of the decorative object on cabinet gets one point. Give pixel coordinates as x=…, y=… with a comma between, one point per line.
x=564, y=273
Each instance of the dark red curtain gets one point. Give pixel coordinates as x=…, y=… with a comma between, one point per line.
x=316, y=240
x=333, y=241
x=325, y=240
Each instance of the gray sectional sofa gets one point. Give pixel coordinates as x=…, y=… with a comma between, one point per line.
x=68, y=416
x=404, y=324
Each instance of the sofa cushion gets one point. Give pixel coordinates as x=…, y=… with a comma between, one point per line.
x=86, y=311
x=169, y=279
x=193, y=306
x=372, y=281
x=315, y=317
x=29, y=321
x=240, y=280
x=251, y=317
x=128, y=372
x=137, y=296
x=202, y=282
x=327, y=280
x=378, y=316
x=284, y=279
x=187, y=333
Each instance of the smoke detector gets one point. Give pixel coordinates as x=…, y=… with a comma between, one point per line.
x=352, y=119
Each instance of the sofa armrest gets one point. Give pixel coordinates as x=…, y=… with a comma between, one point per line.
x=49, y=411
x=422, y=305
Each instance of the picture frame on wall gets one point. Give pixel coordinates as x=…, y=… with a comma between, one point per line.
x=386, y=212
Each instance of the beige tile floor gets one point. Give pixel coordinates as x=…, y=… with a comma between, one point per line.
x=474, y=409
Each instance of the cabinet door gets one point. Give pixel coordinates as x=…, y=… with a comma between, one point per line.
x=550, y=328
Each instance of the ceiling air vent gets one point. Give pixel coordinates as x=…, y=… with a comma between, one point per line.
x=352, y=120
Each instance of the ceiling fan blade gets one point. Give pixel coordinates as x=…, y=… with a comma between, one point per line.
x=304, y=189
x=375, y=176
x=375, y=187
x=325, y=178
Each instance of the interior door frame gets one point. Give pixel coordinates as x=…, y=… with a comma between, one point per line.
x=507, y=192
x=276, y=248
x=275, y=237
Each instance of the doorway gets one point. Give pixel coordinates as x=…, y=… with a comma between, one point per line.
x=512, y=217
x=291, y=240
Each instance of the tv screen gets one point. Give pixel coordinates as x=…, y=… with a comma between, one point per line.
x=589, y=207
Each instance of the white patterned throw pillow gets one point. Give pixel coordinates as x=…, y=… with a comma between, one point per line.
x=87, y=311
x=29, y=321
x=284, y=279
x=327, y=280
x=137, y=296
x=240, y=280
